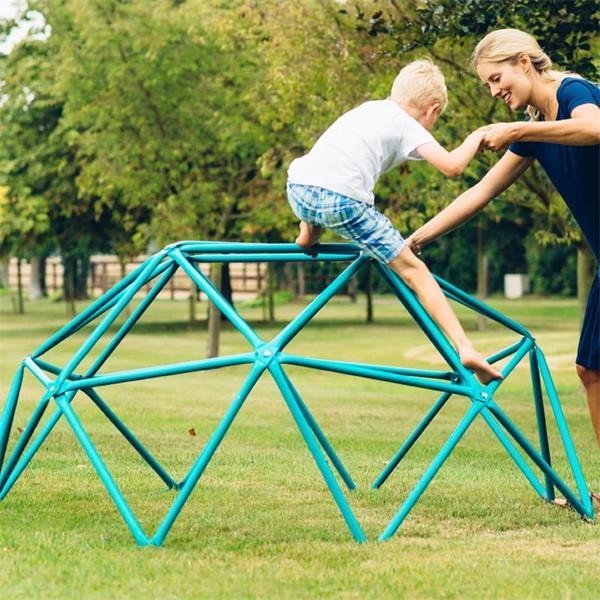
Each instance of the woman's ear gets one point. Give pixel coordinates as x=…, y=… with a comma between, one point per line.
x=524, y=61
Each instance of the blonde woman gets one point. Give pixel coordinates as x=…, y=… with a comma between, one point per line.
x=563, y=134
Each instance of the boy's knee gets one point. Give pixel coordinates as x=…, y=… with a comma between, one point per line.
x=587, y=376
x=407, y=265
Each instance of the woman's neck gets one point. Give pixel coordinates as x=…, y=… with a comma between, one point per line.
x=543, y=97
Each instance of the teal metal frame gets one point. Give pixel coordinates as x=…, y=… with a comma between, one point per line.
x=61, y=384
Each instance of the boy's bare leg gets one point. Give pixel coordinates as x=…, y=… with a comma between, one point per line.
x=417, y=276
x=309, y=235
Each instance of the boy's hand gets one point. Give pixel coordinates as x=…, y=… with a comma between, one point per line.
x=478, y=136
x=413, y=245
x=498, y=135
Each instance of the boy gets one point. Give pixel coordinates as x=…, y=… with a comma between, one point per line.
x=332, y=185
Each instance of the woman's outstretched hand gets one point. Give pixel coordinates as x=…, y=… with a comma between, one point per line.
x=498, y=135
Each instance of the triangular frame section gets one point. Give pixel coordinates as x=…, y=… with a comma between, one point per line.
x=61, y=384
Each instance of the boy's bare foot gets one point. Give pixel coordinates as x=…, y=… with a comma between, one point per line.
x=471, y=359
x=309, y=235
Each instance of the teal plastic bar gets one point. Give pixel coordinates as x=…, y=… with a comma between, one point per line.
x=62, y=382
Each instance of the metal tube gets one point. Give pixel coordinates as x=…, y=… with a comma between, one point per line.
x=249, y=247
x=78, y=321
x=303, y=361
x=431, y=471
x=277, y=374
x=420, y=315
x=412, y=438
x=131, y=320
x=207, y=453
x=504, y=352
x=215, y=296
x=541, y=419
x=8, y=414
x=363, y=370
x=321, y=437
x=286, y=335
x=481, y=307
x=267, y=257
x=563, y=429
x=538, y=460
x=103, y=473
x=149, y=267
x=160, y=371
x=514, y=454
x=24, y=438
x=10, y=477
x=132, y=439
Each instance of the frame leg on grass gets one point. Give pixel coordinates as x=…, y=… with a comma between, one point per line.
x=135, y=443
x=414, y=436
x=191, y=479
x=8, y=414
x=325, y=444
x=23, y=440
x=103, y=473
x=565, y=436
x=514, y=454
x=433, y=468
x=541, y=419
x=311, y=442
x=538, y=460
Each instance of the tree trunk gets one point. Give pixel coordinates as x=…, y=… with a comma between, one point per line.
x=271, y=291
x=288, y=275
x=123, y=268
x=214, y=315
x=352, y=289
x=226, y=287
x=69, y=264
x=4, y=272
x=82, y=268
x=586, y=265
x=301, y=280
x=483, y=274
x=192, y=302
x=43, y=286
x=35, y=290
x=20, y=304
x=369, y=291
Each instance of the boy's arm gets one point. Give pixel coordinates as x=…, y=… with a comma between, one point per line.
x=498, y=178
x=452, y=163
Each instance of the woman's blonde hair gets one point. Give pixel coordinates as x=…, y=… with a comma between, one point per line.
x=506, y=45
x=420, y=83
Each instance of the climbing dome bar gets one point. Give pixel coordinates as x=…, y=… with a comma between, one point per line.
x=60, y=384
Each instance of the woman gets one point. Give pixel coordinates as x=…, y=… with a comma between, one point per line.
x=563, y=133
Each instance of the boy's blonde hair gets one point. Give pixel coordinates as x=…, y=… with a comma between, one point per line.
x=420, y=84
x=506, y=45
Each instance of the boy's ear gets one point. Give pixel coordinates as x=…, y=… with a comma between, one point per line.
x=433, y=110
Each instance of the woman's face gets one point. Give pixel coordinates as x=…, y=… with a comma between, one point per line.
x=507, y=82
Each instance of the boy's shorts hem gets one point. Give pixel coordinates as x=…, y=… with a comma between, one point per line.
x=588, y=352
x=353, y=219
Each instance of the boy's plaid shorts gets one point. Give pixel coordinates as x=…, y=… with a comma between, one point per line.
x=355, y=220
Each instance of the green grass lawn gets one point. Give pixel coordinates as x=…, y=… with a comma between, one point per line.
x=261, y=522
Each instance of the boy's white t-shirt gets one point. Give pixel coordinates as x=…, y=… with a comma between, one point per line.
x=358, y=148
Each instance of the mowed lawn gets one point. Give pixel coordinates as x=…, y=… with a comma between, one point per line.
x=261, y=522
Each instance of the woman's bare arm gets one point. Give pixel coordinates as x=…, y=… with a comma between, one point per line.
x=499, y=177
x=582, y=129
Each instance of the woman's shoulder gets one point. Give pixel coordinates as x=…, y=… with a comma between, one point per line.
x=573, y=86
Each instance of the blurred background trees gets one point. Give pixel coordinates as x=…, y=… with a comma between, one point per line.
x=132, y=122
